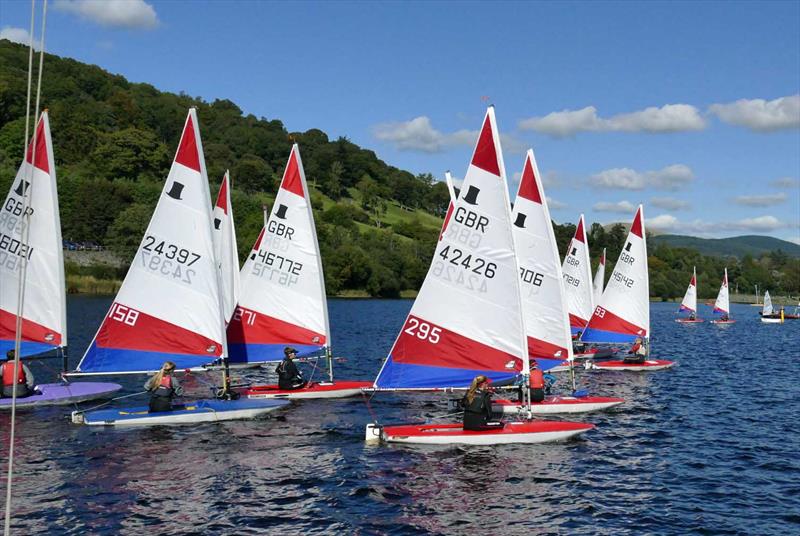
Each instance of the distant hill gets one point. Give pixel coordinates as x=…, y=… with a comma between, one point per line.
x=736, y=246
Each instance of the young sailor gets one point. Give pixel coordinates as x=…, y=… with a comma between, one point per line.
x=478, y=406
x=537, y=383
x=163, y=387
x=637, y=352
x=22, y=384
x=289, y=376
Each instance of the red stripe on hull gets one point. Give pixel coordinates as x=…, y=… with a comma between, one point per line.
x=539, y=348
x=187, y=150
x=31, y=331
x=265, y=329
x=42, y=162
x=611, y=322
x=449, y=350
x=291, y=177
x=151, y=334
x=577, y=322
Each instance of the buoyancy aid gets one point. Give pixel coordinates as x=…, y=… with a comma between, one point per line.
x=537, y=379
x=165, y=387
x=8, y=374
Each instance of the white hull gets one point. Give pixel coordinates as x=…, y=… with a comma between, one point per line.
x=505, y=439
x=632, y=367
x=771, y=320
x=338, y=393
x=552, y=409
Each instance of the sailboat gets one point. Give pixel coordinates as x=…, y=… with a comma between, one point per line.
x=44, y=310
x=689, y=302
x=768, y=315
x=467, y=318
x=577, y=272
x=599, y=277
x=169, y=306
x=283, y=301
x=225, y=251
x=544, y=306
x=623, y=313
x=723, y=306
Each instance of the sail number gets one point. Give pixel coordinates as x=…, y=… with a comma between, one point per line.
x=569, y=280
x=599, y=312
x=269, y=265
x=624, y=280
x=472, y=263
x=244, y=316
x=531, y=277
x=169, y=251
x=123, y=314
x=423, y=330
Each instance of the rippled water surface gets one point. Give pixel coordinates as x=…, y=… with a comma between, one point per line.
x=709, y=447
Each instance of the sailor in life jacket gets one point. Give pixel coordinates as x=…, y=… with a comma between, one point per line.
x=536, y=382
x=289, y=377
x=22, y=384
x=637, y=352
x=163, y=387
x=478, y=406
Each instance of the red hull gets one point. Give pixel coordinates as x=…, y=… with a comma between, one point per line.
x=313, y=390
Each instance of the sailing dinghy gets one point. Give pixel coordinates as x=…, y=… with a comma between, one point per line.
x=599, y=277
x=44, y=311
x=169, y=306
x=467, y=317
x=623, y=313
x=283, y=301
x=723, y=304
x=577, y=272
x=225, y=250
x=689, y=303
x=768, y=315
x=544, y=304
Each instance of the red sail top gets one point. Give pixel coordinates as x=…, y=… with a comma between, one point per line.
x=42, y=162
x=580, y=235
x=187, y=150
x=485, y=156
x=222, y=197
x=291, y=177
x=527, y=185
x=636, y=228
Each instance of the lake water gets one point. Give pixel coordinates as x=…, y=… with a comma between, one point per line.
x=708, y=447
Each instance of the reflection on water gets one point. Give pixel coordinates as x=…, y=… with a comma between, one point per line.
x=707, y=447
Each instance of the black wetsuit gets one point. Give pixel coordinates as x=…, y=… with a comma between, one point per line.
x=161, y=396
x=478, y=414
x=289, y=377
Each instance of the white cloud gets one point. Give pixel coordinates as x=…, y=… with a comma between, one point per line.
x=668, y=118
x=667, y=222
x=669, y=203
x=765, y=200
x=794, y=240
x=761, y=115
x=555, y=204
x=785, y=182
x=623, y=207
x=18, y=35
x=113, y=13
x=669, y=178
x=419, y=134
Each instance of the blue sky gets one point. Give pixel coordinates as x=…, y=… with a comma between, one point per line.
x=692, y=108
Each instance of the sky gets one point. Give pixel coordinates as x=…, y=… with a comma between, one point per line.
x=691, y=108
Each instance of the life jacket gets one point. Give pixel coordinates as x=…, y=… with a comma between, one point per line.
x=537, y=379
x=165, y=387
x=8, y=374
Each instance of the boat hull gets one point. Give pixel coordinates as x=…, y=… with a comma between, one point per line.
x=723, y=322
x=512, y=432
x=558, y=404
x=687, y=321
x=337, y=389
x=650, y=364
x=770, y=320
x=55, y=394
x=195, y=412
x=594, y=353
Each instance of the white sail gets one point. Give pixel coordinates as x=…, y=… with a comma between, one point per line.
x=44, y=314
x=225, y=251
x=689, y=302
x=722, y=305
x=578, y=279
x=767, y=310
x=169, y=306
x=467, y=318
x=543, y=296
x=283, y=299
x=600, y=277
x=624, y=309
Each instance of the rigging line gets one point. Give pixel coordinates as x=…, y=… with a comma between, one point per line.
x=26, y=233
x=107, y=402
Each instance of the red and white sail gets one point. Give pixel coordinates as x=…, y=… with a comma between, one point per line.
x=169, y=306
x=624, y=309
x=577, y=272
x=467, y=318
x=723, y=305
x=600, y=277
x=282, y=300
x=44, y=312
x=225, y=250
x=689, y=302
x=543, y=297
